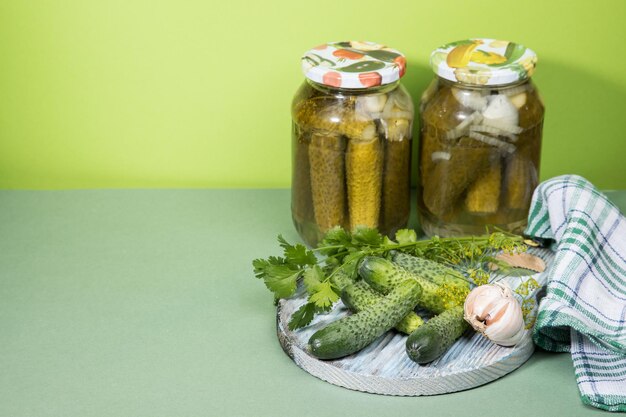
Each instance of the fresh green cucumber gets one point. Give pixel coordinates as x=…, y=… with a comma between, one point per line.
x=433, y=271
x=352, y=333
x=432, y=339
x=360, y=295
x=341, y=279
x=383, y=275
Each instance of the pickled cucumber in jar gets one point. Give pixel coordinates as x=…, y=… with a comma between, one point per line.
x=480, y=138
x=351, y=140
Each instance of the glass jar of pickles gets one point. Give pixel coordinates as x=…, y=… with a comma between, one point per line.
x=351, y=140
x=480, y=138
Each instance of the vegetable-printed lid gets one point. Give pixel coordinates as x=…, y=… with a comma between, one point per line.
x=483, y=62
x=353, y=64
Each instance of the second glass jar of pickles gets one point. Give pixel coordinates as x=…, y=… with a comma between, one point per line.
x=351, y=140
x=480, y=138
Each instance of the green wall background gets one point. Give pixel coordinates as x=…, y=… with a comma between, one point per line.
x=138, y=93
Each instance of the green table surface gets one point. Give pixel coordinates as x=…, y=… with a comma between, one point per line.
x=143, y=303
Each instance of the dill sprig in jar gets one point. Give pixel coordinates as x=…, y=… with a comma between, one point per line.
x=480, y=138
x=351, y=140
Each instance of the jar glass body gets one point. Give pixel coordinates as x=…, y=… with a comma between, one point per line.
x=351, y=158
x=479, y=156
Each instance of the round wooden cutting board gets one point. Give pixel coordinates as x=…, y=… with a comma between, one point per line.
x=384, y=368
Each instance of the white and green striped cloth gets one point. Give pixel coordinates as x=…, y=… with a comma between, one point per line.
x=584, y=310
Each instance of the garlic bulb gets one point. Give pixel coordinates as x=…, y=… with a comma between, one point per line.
x=494, y=311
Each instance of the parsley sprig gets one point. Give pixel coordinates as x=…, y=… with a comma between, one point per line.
x=341, y=251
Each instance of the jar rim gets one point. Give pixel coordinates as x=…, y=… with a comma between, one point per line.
x=468, y=86
x=381, y=89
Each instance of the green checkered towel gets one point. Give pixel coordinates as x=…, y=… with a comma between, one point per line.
x=584, y=310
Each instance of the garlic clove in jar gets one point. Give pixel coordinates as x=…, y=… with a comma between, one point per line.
x=397, y=107
x=500, y=112
x=494, y=311
x=472, y=99
x=370, y=104
x=518, y=100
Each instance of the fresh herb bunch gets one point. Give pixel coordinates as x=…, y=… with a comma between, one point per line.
x=341, y=252
x=527, y=292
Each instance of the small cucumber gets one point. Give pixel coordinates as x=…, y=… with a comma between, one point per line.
x=359, y=296
x=383, y=275
x=432, y=339
x=352, y=333
x=341, y=279
x=432, y=271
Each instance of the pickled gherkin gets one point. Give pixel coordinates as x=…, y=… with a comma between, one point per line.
x=326, y=164
x=431, y=150
x=364, y=164
x=301, y=203
x=351, y=141
x=359, y=130
x=451, y=177
x=483, y=196
x=395, y=204
x=520, y=175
